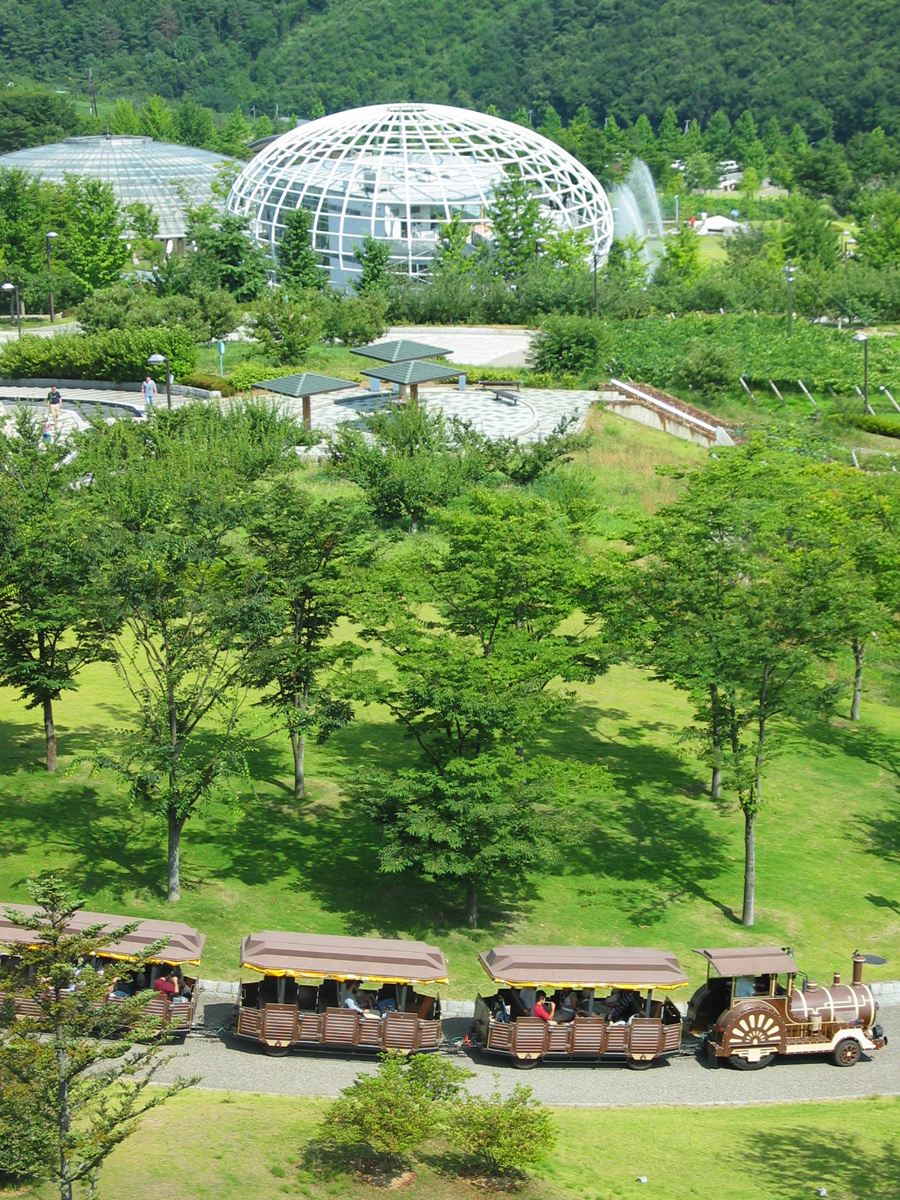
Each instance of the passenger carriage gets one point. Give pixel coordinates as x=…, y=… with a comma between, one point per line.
x=623, y=1011
x=299, y=997
x=182, y=951
x=752, y=1008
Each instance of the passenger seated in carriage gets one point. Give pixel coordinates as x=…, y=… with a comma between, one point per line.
x=569, y=1007
x=353, y=999
x=627, y=1005
x=544, y=1009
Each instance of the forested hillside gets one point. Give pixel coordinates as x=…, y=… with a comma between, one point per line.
x=823, y=63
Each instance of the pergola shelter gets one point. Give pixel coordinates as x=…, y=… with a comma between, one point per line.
x=401, y=351
x=304, y=386
x=411, y=374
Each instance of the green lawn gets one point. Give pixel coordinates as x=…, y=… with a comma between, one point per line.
x=652, y=861
x=227, y=1147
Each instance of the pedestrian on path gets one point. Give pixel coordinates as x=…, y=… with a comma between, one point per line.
x=54, y=405
x=148, y=390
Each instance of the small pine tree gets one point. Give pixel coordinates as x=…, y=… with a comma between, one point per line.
x=75, y=1073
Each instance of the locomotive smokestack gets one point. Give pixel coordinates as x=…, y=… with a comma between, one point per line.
x=858, y=961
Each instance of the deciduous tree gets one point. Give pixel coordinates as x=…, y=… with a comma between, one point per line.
x=174, y=493
x=307, y=553
x=50, y=556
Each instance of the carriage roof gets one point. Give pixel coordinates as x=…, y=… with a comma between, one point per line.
x=583, y=966
x=750, y=960
x=317, y=956
x=183, y=944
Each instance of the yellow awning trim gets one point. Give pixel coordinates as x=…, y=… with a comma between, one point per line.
x=172, y=962
x=579, y=984
x=341, y=977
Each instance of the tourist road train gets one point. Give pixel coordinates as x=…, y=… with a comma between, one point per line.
x=564, y=1003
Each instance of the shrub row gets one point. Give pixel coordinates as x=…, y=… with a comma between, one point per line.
x=887, y=426
x=668, y=352
x=117, y=355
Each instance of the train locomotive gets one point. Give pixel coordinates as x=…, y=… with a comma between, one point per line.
x=753, y=1008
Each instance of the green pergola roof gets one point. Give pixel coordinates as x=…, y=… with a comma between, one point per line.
x=306, y=384
x=398, y=352
x=411, y=372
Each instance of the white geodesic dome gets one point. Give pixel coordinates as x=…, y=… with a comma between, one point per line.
x=397, y=172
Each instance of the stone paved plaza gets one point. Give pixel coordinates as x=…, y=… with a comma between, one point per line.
x=534, y=415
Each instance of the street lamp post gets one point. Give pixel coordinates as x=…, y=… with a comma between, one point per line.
x=790, y=275
x=156, y=359
x=50, y=238
x=864, y=338
x=11, y=287
x=596, y=258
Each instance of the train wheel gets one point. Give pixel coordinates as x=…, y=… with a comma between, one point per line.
x=640, y=1064
x=846, y=1053
x=753, y=1036
x=525, y=1064
x=277, y=1051
x=740, y=1063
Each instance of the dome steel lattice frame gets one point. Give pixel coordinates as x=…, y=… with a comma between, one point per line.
x=164, y=176
x=396, y=172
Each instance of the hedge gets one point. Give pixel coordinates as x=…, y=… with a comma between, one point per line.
x=887, y=426
x=656, y=350
x=117, y=355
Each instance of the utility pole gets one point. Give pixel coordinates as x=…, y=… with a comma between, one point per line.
x=790, y=275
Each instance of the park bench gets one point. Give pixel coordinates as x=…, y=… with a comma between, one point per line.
x=499, y=394
x=491, y=384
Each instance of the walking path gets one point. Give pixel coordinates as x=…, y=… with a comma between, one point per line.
x=225, y=1062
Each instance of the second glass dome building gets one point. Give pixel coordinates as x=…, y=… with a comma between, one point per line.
x=397, y=172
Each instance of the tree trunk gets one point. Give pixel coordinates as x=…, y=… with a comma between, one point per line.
x=62, y=1102
x=50, y=734
x=715, y=787
x=471, y=904
x=859, y=653
x=298, y=745
x=752, y=806
x=748, y=910
x=176, y=824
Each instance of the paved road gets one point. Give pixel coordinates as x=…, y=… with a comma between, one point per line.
x=240, y=1066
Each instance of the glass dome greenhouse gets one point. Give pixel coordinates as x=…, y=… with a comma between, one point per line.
x=166, y=177
x=397, y=172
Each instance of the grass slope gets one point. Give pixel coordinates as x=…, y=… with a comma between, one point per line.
x=653, y=862
x=228, y=1146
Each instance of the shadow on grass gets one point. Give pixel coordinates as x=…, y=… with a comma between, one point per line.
x=107, y=846
x=454, y=1165
x=800, y=1160
x=331, y=851
x=644, y=832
